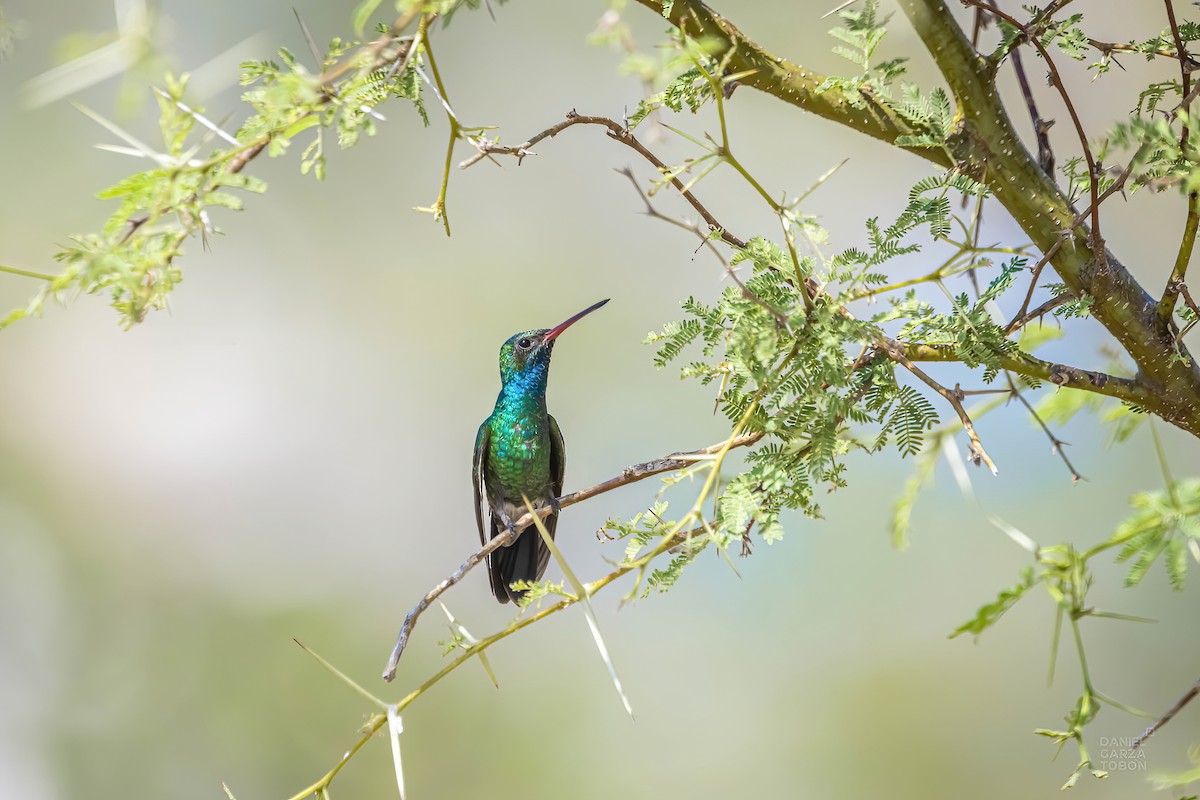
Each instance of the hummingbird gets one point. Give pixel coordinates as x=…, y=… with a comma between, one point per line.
x=519, y=451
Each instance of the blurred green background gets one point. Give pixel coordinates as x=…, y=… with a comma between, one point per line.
x=286, y=454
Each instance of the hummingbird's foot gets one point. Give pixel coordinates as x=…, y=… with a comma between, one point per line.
x=555, y=505
x=507, y=522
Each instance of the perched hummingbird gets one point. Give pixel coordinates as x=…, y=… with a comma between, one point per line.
x=519, y=451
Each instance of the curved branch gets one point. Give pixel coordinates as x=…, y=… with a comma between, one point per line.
x=986, y=146
x=631, y=474
x=1166, y=306
x=1139, y=392
x=788, y=82
x=617, y=132
x=377, y=721
x=977, y=454
x=1097, y=241
x=1131, y=391
x=1188, y=696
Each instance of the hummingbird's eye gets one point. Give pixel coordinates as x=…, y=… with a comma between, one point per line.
x=524, y=343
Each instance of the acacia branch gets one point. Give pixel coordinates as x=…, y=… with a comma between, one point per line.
x=617, y=132
x=1129, y=390
x=786, y=80
x=1167, y=717
x=986, y=146
x=1188, y=63
x=686, y=225
x=1117, y=186
x=976, y=454
x=1166, y=306
x=377, y=721
x=1057, y=446
x=1097, y=241
x=781, y=319
x=1041, y=127
x=1041, y=311
x=631, y=474
x=1190, y=303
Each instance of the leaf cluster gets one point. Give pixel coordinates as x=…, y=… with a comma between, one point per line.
x=133, y=256
x=1165, y=524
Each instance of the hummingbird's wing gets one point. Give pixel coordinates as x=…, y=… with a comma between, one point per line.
x=483, y=508
x=483, y=440
x=558, y=467
x=558, y=457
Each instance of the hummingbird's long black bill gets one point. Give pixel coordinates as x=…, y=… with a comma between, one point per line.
x=554, y=332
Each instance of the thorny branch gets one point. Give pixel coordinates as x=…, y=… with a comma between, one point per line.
x=1188, y=696
x=631, y=474
x=1097, y=241
x=1108, y=48
x=1118, y=185
x=617, y=132
x=780, y=318
x=1041, y=127
x=1166, y=306
x=1041, y=311
x=1190, y=303
x=378, y=721
x=686, y=225
x=1056, y=445
x=976, y=454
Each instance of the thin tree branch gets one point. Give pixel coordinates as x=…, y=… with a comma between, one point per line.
x=1126, y=389
x=1097, y=240
x=1190, y=303
x=617, y=132
x=686, y=225
x=1056, y=445
x=27, y=273
x=1185, y=75
x=1117, y=185
x=377, y=721
x=786, y=80
x=1037, y=272
x=1166, y=306
x=439, y=206
x=976, y=454
x=1041, y=127
x=631, y=474
x=1167, y=717
x=1041, y=311
x=780, y=317
x=1108, y=48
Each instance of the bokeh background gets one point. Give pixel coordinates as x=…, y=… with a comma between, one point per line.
x=286, y=454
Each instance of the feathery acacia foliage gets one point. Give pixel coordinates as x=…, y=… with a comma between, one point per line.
x=812, y=352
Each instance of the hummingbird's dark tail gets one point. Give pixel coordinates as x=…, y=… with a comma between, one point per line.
x=524, y=560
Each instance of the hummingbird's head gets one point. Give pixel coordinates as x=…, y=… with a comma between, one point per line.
x=527, y=354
